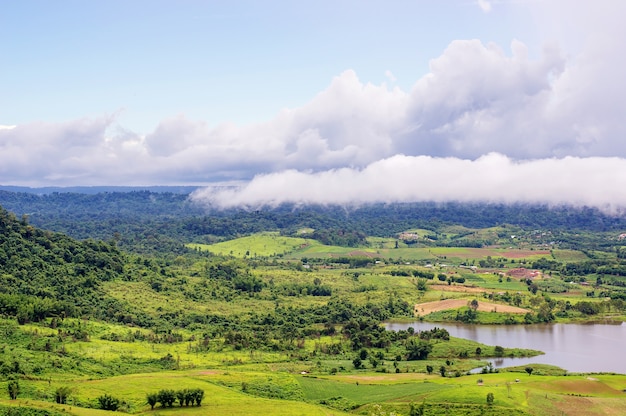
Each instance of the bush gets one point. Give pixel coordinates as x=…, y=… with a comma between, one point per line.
x=14, y=389
x=61, y=394
x=152, y=399
x=498, y=351
x=107, y=402
x=166, y=397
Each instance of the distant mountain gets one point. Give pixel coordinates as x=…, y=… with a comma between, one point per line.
x=98, y=189
x=146, y=222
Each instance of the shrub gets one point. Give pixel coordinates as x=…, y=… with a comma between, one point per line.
x=166, y=398
x=152, y=399
x=61, y=394
x=14, y=389
x=108, y=402
x=498, y=351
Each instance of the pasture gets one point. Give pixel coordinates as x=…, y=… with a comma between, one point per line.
x=266, y=244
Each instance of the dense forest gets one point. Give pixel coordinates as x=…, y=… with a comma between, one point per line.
x=149, y=222
x=102, y=284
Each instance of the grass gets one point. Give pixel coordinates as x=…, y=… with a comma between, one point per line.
x=262, y=382
x=132, y=390
x=265, y=244
x=361, y=392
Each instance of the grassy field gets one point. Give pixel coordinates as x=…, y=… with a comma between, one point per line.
x=238, y=392
x=256, y=245
x=302, y=380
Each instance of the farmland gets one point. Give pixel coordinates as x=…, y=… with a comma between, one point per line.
x=289, y=321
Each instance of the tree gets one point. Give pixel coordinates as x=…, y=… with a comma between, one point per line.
x=61, y=394
x=415, y=410
x=418, y=349
x=180, y=395
x=442, y=370
x=198, y=396
x=498, y=351
x=166, y=398
x=357, y=363
x=108, y=402
x=152, y=399
x=474, y=304
x=490, y=399
x=429, y=369
x=529, y=370
x=14, y=389
x=190, y=395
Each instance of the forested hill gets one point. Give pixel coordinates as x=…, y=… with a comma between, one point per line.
x=148, y=222
x=49, y=274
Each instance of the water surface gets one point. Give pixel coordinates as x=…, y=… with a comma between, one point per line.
x=579, y=348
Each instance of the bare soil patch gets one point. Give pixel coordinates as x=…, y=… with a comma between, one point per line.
x=519, y=254
x=443, y=305
x=454, y=288
x=591, y=406
x=208, y=372
x=362, y=254
x=583, y=387
x=523, y=273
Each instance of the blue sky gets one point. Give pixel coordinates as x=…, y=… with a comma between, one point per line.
x=219, y=61
x=286, y=96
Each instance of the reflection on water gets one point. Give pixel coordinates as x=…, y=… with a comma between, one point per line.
x=583, y=348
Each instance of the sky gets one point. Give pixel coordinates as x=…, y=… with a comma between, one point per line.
x=333, y=102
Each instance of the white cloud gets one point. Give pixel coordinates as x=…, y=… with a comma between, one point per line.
x=491, y=178
x=389, y=75
x=540, y=118
x=484, y=5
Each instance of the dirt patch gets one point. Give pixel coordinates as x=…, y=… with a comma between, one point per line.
x=590, y=406
x=522, y=273
x=209, y=372
x=519, y=254
x=583, y=387
x=443, y=305
x=454, y=288
x=362, y=254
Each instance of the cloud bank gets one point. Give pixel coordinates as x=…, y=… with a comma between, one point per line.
x=493, y=178
x=486, y=123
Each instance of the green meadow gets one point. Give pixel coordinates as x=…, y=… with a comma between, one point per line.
x=279, y=325
x=257, y=245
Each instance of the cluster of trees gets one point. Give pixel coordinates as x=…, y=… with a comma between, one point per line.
x=151, y=222
x=297, y=289
x=435, y=333
x=593, y=266
x=339, y=237
x=353, y=262
x=45, y=274
x=167, y=398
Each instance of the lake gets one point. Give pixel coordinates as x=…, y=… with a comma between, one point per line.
x=578, y=348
